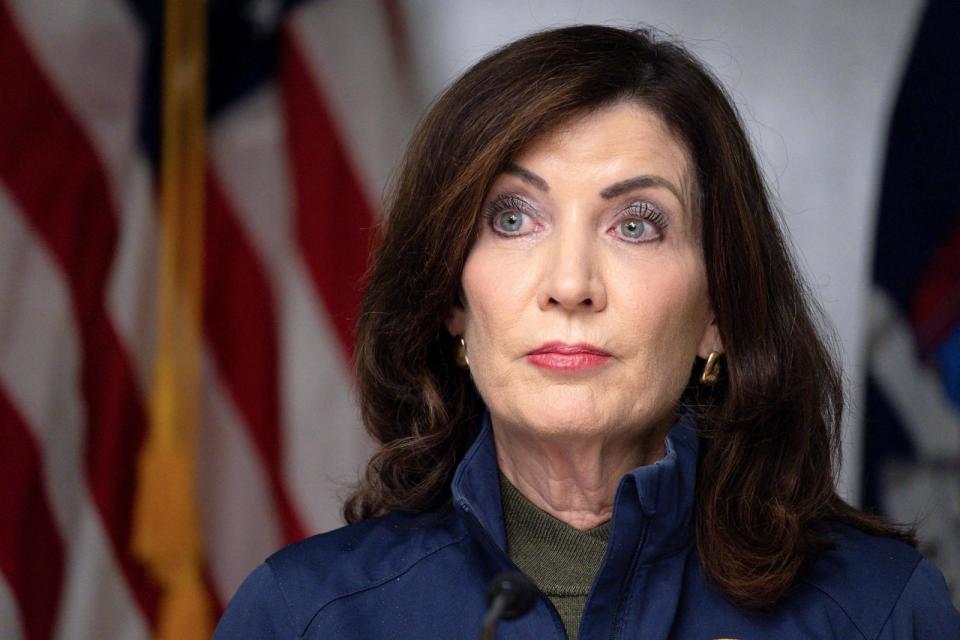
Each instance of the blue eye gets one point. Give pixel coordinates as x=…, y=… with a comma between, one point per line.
x=509, y=222
x=632, y=228
x=641, y=222
x=507, y=216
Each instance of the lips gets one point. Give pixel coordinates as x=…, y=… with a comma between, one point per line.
x=560, y=356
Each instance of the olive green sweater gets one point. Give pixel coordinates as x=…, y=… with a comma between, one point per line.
x=560, y=559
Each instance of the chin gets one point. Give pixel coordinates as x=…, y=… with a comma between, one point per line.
x=567, y=414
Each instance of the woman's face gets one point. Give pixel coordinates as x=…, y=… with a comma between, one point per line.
x=585, y=293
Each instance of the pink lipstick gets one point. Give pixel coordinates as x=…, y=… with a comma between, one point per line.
x=559, y=356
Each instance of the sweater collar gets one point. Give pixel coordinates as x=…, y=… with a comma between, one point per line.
x=653, y=508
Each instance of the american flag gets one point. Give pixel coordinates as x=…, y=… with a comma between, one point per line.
x=912, y=447
x=306, y=115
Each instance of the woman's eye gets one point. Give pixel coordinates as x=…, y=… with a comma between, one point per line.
x=637, y=230
x=510, y=221
x=632, y=228
x=641, y=222
x=508, y=216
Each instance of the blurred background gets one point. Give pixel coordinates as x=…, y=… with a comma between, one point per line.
x=184, y=218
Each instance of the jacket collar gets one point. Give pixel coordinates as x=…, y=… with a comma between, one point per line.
x=653, y=508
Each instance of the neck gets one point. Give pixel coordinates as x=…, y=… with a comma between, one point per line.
x=573, y=479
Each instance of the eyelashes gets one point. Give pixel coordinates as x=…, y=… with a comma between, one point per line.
x=510, y=215
x=506, y=202
x=644, y=210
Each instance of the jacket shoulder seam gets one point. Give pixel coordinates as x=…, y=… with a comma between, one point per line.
x=839, y=606
x=283, y=596
x=851, y=618
x=377, y=583
x=886, y=618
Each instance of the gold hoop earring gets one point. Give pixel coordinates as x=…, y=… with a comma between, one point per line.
x=711, y=370
x=460, y=354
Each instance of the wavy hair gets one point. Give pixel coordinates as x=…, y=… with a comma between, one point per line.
x=770, y=428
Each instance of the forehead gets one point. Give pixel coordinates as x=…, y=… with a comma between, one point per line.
x=609, y=144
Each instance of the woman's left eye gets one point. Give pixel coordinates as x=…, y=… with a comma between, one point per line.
x=641, y=223
x=633, y=229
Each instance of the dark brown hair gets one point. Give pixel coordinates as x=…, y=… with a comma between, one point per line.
x=770, y=429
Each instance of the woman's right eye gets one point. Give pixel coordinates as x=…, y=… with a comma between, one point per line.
x=507, y=216
x=510, y=223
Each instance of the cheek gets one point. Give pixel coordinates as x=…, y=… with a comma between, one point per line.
x=496, y=287
x=667, y=311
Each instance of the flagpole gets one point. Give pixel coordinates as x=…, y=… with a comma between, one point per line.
x=167, y=533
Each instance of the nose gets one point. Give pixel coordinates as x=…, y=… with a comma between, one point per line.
x=572, y=278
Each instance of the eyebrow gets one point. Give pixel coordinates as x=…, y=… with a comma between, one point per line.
x=614, y=190
x=527, y=176
x=640, y=182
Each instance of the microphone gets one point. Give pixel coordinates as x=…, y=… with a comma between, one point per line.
x=509, y=595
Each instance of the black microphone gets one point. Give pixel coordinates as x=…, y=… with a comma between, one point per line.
x=509, y=595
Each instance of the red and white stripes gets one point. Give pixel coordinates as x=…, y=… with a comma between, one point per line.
x=295, y=171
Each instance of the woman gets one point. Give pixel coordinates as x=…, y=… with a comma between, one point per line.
x=585, y=353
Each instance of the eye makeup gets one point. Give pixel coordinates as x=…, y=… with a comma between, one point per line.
x=506, y=202
x=508, y=214
x=646, y=210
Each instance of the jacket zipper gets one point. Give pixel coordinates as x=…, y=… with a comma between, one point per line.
x=626, y=588
x=505, y=560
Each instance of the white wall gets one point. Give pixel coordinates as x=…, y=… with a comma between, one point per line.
x=814, y=82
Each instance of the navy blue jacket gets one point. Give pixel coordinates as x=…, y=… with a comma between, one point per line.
x=423, y=575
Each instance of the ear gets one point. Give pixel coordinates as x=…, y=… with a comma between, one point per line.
x=710, y=339
x=456, y=320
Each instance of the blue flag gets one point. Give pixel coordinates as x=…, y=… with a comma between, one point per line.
x=912, y=447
